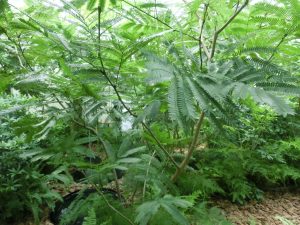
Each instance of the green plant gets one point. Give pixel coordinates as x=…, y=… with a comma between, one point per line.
x=91, y=218
x=23, y=188
x=208, y=216
x=284, y=220
x=148, y=210
x=241, y=174
x=72, y=74
x=94, y=207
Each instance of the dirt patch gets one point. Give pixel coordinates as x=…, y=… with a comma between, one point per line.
x=266, y=212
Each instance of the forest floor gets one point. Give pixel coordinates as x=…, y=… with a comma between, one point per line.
x=265, y=212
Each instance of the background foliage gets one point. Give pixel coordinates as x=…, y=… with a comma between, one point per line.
x=171, y=105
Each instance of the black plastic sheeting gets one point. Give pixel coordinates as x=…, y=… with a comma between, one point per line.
x=79, y=175
x=62, y=207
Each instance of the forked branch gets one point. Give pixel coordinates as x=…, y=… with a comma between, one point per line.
x=217, y=32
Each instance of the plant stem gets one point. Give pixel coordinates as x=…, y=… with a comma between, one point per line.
x=277, y=46
x=192, y=146
x=112, y=207
x=159, y=20
x=201, y=32
x=217, y=32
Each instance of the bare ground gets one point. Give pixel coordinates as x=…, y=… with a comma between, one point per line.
x=285, y=205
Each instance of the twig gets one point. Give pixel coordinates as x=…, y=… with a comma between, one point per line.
x=204, y=47
x=277, y=46
x=18, y=49
x=117, y=183
x=200, y=35
x=159, y=20
x=237, y=6
x=145, y=182
x=217, y=32
x=23, y=54
x=112, y=207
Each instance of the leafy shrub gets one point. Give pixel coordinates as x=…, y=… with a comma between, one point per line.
x=259, y=125
x=23, y=189
x=242, y=174
x=92, y=206
x=203, y=215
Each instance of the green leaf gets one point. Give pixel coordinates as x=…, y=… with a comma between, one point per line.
x=102, y=4
x=176, y=214
x=133, y=151
x=129, y=160
x=113, y=2
x=91, y=218
x=91, y=4
x=146, y=211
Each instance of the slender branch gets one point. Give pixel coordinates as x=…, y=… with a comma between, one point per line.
x=217, y=32
x=99, y=31
x=204, y=47
x=59, y=102
x=200, y=35
x=159, y=20
x=148, y=129
x=19, y=49
x=147, y=173
x=111, y=206
x=277, y=46
x=23, y=54
x=190, y=150
x=117, y=184
x=237, y=6
x=119, y=69
x=99, y=56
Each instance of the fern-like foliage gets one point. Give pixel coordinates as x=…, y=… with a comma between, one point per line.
x=170, y=204
x=212, y=90
x=91, y=218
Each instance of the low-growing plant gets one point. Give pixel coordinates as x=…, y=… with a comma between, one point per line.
x=24, y=190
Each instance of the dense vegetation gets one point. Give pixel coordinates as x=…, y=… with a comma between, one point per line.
x=168, y=106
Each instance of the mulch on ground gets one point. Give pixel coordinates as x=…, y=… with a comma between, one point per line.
x=266, y=212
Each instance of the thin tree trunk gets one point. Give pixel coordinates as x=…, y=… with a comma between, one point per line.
x=188, y=156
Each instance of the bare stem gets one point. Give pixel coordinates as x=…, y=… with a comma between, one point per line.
x=277, y=46
x=192, y=146
x=217, y=32
x=200, y=35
